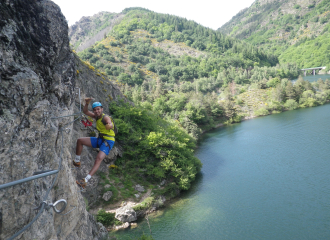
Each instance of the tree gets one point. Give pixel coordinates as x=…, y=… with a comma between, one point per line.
x=278, y=93
x=159, y=88
x=289, y=91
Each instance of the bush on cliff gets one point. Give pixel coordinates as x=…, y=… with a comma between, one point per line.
x=156, y=148
x=107, y=219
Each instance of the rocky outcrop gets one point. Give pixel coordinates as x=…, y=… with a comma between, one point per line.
x=88, y=30
x=139, y=188
x=38, y=80
x=126, y=214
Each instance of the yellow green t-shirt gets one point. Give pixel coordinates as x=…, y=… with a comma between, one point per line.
x=107, y=134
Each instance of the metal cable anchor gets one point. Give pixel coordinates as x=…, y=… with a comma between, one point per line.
x=53, y=205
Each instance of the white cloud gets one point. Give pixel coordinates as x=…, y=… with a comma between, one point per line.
x=209, y=13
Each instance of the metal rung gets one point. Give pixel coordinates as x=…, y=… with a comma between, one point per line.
x=6, y=185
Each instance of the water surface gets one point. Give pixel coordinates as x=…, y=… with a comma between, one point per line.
x=265, y=178
x=314, y=78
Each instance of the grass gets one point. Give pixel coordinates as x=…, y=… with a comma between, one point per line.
x=144, y=205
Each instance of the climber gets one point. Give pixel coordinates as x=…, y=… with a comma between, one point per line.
x=105, y=141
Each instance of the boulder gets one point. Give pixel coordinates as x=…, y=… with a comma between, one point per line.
x=107, y=196
x=107, y=186
x=139, y=188
x=126, y=214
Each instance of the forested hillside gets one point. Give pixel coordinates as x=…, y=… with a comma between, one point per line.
x=160, y=59
x=294, y=30
x=185, y=78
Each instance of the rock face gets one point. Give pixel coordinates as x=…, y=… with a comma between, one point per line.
x=38, y=80
x=126, y=214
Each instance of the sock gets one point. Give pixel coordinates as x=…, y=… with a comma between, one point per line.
x=87, y=178
x=77, y=159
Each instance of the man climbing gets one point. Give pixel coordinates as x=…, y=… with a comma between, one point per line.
x=104, y=142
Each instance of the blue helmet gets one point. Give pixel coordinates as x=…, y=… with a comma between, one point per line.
x=96, y=104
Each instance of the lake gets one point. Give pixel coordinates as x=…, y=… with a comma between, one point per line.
x=313, y=78
x=265, y=178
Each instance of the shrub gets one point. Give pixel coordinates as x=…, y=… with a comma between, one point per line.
x=308, y=102
x=273, y=82
x=124, y=78
x=324, y=20
x=291, y=104
x=93, y=59
x=132, y=68
x=91, y=50
x=316, y=19
x=99, y=64
x=110, y=58
x=114, y=44
x=107, y=219
x=133, y=58
x=261, y=112
x=103, y=53
x=108, y=72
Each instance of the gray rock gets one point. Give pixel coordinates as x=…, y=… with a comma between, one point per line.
x=139, y=188
x=107, y=186
x=126, y=214
x=107, y=196
x=137, y=195
x=162, y=182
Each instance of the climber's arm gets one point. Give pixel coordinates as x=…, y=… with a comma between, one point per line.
x=85, y=110
x=107, y=122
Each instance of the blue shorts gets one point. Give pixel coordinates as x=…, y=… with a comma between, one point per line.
x=99, y=143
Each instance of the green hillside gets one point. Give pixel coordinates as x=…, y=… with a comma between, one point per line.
x=184, y=79
x=178, y=68
x=281, y=26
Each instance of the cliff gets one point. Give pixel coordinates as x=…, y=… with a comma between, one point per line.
x=38, y=81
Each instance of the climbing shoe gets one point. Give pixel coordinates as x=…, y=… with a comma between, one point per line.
x=81, y=183
x=76, y=164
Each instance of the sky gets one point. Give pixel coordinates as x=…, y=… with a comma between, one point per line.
x=209, y=13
